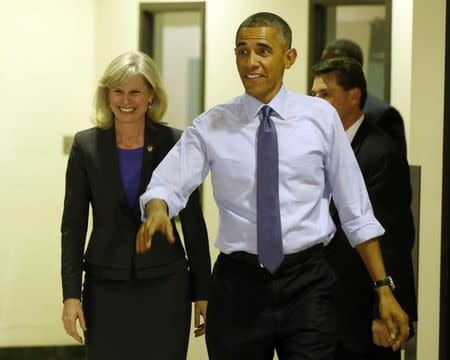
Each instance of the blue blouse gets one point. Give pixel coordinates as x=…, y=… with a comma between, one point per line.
x=130, y=163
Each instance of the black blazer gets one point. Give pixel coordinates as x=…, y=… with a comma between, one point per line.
x=93, y=177
x=386, y=175
x=387, y=118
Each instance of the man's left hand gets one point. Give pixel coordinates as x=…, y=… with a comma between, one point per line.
x=393, y=316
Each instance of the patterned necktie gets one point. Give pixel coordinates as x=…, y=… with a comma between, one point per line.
x=268, y=223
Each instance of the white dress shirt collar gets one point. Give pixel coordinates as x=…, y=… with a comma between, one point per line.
x=352, y=130
x=252, y=105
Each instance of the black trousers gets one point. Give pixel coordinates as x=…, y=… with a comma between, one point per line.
x=252, y=313
x=372, y=353
x=138, y=318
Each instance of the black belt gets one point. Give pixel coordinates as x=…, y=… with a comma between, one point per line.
x=289, y=259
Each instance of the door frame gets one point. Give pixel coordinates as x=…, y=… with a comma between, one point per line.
x=147, y=13
x=319, y=27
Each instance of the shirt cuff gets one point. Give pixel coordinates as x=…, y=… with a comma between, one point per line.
x=362, y=229
x=155, y=194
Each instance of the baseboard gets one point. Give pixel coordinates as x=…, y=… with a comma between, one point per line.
x=43, y=353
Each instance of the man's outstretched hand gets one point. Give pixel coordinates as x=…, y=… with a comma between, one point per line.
x=157, y=220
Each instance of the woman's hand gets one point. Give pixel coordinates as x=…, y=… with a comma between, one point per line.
x=71, y=312
x=380, y=333
x=200, y=308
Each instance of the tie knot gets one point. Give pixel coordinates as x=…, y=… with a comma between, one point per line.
x=266, y=111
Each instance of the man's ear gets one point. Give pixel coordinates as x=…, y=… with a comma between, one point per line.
x=290, y=57
x=355, y=96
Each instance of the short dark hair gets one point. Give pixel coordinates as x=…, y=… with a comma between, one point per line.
x=343, y=47
x=348, y=72
x=266, y=19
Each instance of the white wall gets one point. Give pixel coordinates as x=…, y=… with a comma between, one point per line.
x=426, y=144
x=417, y=84
x=401, y=42
x=46, y=80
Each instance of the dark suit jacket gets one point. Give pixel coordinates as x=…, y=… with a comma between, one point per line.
x=93, y=177
x=387, y=118
x=386, y=174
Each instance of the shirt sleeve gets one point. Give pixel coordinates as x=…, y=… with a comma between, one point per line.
x=348, y=188
x=182, y=170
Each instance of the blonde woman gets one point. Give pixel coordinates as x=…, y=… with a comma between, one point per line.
x=131, y=306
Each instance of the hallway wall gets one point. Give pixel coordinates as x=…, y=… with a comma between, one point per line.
x=46, y=84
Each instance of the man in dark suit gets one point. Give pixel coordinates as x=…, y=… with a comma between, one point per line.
x=385, y=169
x=377, y=111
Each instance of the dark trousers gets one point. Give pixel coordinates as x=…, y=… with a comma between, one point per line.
x=252, y=313
x=372, y=353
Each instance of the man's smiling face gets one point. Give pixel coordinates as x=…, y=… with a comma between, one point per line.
x=261, y=57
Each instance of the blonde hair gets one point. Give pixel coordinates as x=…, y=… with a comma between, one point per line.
x=121, y=70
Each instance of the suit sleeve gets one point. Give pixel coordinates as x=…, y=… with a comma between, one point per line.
x=391, y=122
x=389, y=189
x=197, y=247
x=74, y=223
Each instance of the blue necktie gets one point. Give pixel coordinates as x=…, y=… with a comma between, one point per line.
x=268, y=222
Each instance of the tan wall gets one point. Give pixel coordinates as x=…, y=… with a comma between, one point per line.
x=46, y=79
x=426, y=129
x=48, y=70
x=417, y=83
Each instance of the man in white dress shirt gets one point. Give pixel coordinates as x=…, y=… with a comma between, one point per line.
x=254, y=310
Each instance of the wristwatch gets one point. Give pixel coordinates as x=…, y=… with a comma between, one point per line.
x=388, y=281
